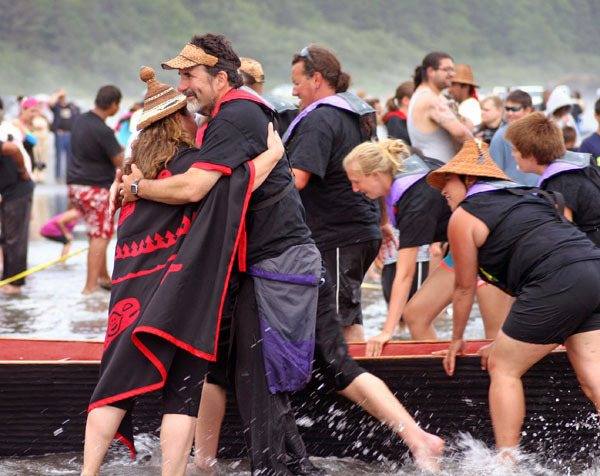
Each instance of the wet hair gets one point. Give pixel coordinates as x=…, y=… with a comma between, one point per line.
x=157, y=144
x=107, y=95
x=404, y=90
x=385, y=157
x=538, y=136
x=319, y=59
x=432, y=60
x=518, y=96
x=229, y=61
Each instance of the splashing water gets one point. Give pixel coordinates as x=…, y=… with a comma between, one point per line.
x=465, y=456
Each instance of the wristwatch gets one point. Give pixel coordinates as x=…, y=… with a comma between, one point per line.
x=135, y=186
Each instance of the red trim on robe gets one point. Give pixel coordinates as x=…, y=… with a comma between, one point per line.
x=208, y=166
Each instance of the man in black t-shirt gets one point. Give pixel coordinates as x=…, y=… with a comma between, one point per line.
x=65, y=113
x=344, y=224
x=234, y=134
x=96, y=155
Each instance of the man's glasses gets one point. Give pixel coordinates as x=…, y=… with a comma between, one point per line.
x=304, y=53
x=513, y=108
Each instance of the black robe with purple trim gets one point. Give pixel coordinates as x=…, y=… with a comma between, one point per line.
x=171, y=270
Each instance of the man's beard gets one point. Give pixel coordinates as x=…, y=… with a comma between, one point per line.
x=194, y=106
x=208, y=108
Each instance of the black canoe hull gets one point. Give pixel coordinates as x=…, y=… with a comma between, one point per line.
x=43, y=409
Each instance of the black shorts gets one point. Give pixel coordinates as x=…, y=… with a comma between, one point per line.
x=333, y=365
x=388, y=273
x=221, y=371
x=347, y=267
x=551, y=308
x=60, y=239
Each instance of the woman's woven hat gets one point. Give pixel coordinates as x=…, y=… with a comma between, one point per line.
x=160, y=100
x=473, y=159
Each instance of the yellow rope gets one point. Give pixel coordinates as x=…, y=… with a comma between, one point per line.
x=40, y=267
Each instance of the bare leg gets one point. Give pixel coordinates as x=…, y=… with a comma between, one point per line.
x=354, y=333
x=509, y=360
x=427, y=303
x=436, y=255
x=96, y=260
x=208, y=426
x=103, y=276
x=65, y=249
x=102, y=424
x=176, y=436
x=494, y=305
x=11, y=289
x=584, y=356
x=372, y=394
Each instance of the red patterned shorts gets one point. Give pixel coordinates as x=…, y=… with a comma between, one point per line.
x=93, y=204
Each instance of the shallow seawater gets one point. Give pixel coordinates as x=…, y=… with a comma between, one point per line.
x=467, y=457
x=52, y=307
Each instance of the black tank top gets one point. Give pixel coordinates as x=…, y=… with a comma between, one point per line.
x=527, y=238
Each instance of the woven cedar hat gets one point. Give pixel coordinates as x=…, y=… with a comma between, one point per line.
x=252, y=68
x=160, y=100
x=464, y=75
x=190, y=56
x=473, y=159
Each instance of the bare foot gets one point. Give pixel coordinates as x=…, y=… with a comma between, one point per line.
x=90, y=290
x=508, y=456
x=105, y=284
x=427, y=455
x=11, y=289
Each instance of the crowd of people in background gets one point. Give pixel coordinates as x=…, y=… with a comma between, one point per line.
x=358, y=191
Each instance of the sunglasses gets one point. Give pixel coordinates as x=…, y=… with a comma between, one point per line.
x=304, y=53
x=513, y=108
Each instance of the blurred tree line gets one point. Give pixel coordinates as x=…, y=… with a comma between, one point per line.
x=82, y=44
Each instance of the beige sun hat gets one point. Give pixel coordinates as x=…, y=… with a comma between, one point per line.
x=464, y=75
x=252, y=68
x=160, y=100
x=190, y=56
x=473, y=159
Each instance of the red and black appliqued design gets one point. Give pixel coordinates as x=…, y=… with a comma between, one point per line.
x=171, y=272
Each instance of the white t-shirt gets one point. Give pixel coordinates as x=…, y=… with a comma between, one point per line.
x=471, y=110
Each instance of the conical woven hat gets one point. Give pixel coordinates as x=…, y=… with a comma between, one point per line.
x=160, y=100
x=473, y=159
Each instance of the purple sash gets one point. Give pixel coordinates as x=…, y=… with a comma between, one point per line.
x=399, y=187
x=335, y=101
x=569, y=161
x=490, y=185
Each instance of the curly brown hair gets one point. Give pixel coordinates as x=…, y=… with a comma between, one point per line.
x=157, y=144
